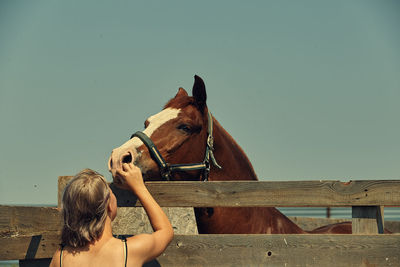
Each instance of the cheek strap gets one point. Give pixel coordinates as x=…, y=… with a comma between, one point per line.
x=166, y=169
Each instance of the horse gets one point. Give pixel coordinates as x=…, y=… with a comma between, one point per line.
x=185, y=142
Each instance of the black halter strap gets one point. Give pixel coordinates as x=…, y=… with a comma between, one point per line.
x=166, y=169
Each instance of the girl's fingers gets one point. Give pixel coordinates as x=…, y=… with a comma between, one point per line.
x=127, y=166
x=121, y=172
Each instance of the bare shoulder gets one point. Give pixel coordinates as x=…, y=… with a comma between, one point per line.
x=140, y=246
x=146, y=247
x=139, y=242
x=55, y=261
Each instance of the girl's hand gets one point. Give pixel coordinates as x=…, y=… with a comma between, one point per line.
x=131, y=177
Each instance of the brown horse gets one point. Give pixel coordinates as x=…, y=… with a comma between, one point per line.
x=196, y=147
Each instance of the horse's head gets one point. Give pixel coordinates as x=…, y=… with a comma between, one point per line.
x=178, y=135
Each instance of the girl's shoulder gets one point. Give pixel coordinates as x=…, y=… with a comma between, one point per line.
x=55, y=261
x=140, y=247
x=109, y=254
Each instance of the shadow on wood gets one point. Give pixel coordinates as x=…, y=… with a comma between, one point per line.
x=35, y=263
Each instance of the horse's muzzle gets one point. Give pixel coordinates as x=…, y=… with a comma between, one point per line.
x=115, y=162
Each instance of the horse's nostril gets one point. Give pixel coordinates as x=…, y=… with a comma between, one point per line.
x=127, y=158
x=110, y=164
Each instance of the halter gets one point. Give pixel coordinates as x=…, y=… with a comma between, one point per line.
x=166, y=169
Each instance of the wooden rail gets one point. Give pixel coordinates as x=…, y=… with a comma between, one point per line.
x=267, y=194
x=25, y=235
x=245, y=250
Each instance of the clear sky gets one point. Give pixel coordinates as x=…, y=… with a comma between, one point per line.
x=309, y=89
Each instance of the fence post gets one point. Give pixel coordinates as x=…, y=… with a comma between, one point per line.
x=367, y=220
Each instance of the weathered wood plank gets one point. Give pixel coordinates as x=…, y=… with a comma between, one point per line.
x=367, y=220
x=307, y=193
x=282, y=250
x=273, y=194
x=249, y=250
x=29, y=247
x=62, y=182
x=17, y=220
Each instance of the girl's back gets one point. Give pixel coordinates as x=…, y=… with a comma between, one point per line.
x=111, y=253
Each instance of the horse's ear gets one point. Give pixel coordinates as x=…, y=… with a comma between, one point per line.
x=199, y=92
x=181, y=92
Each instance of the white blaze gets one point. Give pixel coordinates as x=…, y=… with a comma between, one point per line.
x=155, y=122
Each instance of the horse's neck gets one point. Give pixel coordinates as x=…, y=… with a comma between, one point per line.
x=236, y=166
x=230, y=156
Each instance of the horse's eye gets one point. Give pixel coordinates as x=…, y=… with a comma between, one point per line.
x=184, y=127
x=146, y=123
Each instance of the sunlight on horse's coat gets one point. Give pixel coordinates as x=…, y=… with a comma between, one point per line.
x=180, y=133
x=131, y=147
x=155, y=122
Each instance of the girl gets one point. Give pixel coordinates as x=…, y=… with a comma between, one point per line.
x=89, y=207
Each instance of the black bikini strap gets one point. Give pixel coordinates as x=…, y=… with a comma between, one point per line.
x=126, y=250
x=61, y=253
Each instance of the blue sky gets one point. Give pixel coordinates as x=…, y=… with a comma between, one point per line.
x=309, y=89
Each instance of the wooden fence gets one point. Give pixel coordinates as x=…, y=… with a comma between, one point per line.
x=31, y=234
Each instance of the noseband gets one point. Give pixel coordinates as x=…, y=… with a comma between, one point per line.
x=166, y=169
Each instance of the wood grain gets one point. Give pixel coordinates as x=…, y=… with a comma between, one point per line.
x=282, y=250
x=367, y=220
x=250, y=250
x=16, y=221
x=271, y=194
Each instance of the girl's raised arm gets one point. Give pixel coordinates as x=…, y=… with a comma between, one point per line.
x=146, y=246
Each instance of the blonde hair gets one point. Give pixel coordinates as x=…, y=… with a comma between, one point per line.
x=84, y=208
